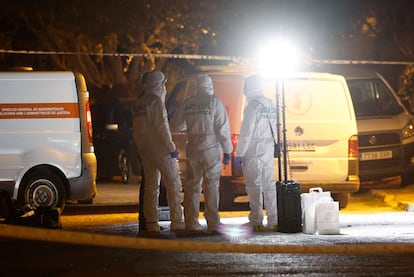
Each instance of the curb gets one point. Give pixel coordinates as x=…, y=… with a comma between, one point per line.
x=102, y=208
x=163, y=243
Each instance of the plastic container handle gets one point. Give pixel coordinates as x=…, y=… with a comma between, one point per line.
x=315, y=190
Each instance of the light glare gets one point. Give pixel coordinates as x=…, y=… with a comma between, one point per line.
x=277, y=59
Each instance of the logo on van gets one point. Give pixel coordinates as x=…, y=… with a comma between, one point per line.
x=372, y=140
x=298, y=100
x=298, y=131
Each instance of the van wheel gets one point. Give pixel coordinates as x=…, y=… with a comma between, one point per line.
x=42, y=189
x=123, y=164
x=342, y=198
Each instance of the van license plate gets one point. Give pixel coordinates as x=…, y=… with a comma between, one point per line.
x=301, y=146
x=378, y=155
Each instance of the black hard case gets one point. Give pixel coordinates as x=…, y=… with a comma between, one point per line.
x=289, y=209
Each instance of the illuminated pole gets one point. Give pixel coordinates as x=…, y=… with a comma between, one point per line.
x=281, y=128
x=276, y=60
x=279, y=162
x=285, y=175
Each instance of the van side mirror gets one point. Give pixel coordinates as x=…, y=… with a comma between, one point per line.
x=111, y=127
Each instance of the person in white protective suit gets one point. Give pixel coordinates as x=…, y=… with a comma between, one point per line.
x=157, y=151
x=206, y=121
x=254, y=156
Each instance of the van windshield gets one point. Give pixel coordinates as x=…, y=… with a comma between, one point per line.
x=373, y=98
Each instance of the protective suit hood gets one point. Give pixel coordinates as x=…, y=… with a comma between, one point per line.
x=204, y=84
x=253, y=87
x=154, y=83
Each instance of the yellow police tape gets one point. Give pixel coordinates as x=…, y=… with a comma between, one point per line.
x=81, y=238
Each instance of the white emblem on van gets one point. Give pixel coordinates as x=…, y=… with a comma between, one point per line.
x=372, y=140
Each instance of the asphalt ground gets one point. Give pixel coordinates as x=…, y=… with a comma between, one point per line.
x=113, y=197
x=118, y=198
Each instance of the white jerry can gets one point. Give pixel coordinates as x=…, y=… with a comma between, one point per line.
x=309, y=201
x=164, y=213
x=327, y=217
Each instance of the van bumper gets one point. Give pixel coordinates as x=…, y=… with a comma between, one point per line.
x=237, y=187
x=334, y=187
x=84, y=186
x=388, y=173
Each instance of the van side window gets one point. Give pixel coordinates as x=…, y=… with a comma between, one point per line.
x=112, y=116
x=175, y=98
x=103, y=114
x=373, y=98
x=180, y=92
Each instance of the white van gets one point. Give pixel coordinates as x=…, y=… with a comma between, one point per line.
x=46, y=150
x=385, y=131
x=321, y=131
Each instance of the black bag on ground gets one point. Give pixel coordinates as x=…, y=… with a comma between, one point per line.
x=289, y=209
x=46, y=217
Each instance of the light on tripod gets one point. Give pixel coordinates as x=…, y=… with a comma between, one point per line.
x=277, y=59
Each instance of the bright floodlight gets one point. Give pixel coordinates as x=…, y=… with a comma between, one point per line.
x=277, y=59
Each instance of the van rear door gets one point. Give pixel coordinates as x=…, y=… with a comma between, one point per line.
x=320, y=123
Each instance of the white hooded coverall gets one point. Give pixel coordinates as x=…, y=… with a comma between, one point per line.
x=256, y=145
x=153, y=137
x=206, y=121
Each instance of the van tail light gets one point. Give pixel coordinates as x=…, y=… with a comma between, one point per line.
x=88, y=121
x=234, y=141
x=353, y=147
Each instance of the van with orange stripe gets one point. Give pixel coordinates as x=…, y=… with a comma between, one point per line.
x=46, y=148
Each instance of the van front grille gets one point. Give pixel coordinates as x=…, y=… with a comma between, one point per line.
x=372, y=140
